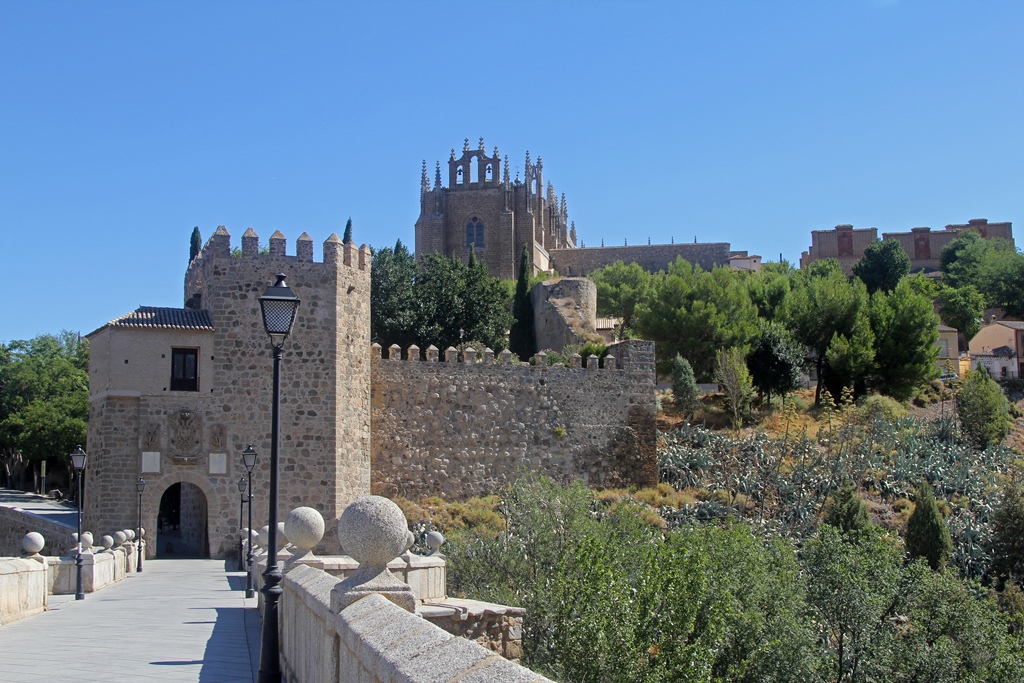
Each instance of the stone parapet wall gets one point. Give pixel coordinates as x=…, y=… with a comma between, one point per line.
x=22, y=588
x=375, y=640
x=15, y=523
x=462, y=429
x=651, y=257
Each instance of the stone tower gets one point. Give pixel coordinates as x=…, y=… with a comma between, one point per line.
x=484, y=209
x=177, y=393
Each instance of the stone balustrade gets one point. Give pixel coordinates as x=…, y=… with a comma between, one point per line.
x=380, y=613
x=26, y=582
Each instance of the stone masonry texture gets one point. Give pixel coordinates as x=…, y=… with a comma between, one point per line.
x=458, y=429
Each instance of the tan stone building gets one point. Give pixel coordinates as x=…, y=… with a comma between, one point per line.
x=924, y=247
x=483, y=208
x=177, y=393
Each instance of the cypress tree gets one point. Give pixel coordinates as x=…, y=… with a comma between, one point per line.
x=1008, y=533
x=927, y=533
x=348, y=231
x=520, y=339
x=195, y=244
x=684, y=386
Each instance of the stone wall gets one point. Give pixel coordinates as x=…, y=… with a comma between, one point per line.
x=14, y=524
x=22, y=589
x=652, y=257
x=137, y=423
x=564, y=312
x=460, y=429
x=374, y=640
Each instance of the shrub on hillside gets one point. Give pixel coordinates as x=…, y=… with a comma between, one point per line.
x=876, y=407
x=847, y=512
x=1008, y=534
x=983, y=409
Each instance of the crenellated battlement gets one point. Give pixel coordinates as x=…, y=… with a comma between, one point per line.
x=635, y=356
x=273, y=255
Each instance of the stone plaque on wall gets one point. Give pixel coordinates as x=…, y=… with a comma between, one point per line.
x=151, y=437
x=185, y=431
x=150, y=462
x=218, y=463
x=218, y=438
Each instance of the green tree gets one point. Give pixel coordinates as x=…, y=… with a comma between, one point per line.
x=44, y=397
x=684, y=386
x=521, y=340
x=1008, y=533
x=883, y=266
x=486, y=317
x=775, y=360
x=734, y=380
x=695, y=313
x=962, y=308
x=853, y=589
x=993, y=266
x=906, y=330
x=927, y=533
x=983, y=409
x=769, y=289
x=620, y=288
x=393, y=306
x=195, y=244
x=847, y=512
x=825, y=310
x=348, y=231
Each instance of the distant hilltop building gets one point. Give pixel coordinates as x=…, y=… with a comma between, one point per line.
x=485, y=209
x=846, y=244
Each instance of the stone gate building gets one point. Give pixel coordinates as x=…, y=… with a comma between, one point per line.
x=177, y=393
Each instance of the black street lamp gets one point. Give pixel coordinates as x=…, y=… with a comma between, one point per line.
x=140, y=486
x=278, y=304
x=78, y=458
x=242, y=483
x=249, y=460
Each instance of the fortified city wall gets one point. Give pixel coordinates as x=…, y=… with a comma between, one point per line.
x=459, y=427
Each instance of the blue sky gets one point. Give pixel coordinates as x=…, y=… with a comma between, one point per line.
x=123, y=125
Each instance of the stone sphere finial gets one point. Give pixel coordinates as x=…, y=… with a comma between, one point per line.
x=87, y=540
x=107, y=541
x=372, y=530
x=119, y=538
x=263, y=540
x=434, y=541
x=32, y=543
x=282, y=537
x=142, y=532
x=304, y=527
x=130, y=533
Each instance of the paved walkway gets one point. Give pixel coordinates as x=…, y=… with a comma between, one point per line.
x=41, y=506
x=178, y=620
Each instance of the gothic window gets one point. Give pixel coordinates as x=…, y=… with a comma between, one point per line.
x=475, y=233
x=184, y=369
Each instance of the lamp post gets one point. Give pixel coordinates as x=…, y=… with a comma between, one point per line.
x=241, y=501
x=140, y=486
x=78, y=458
x=249, y=460
x=278, y=305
